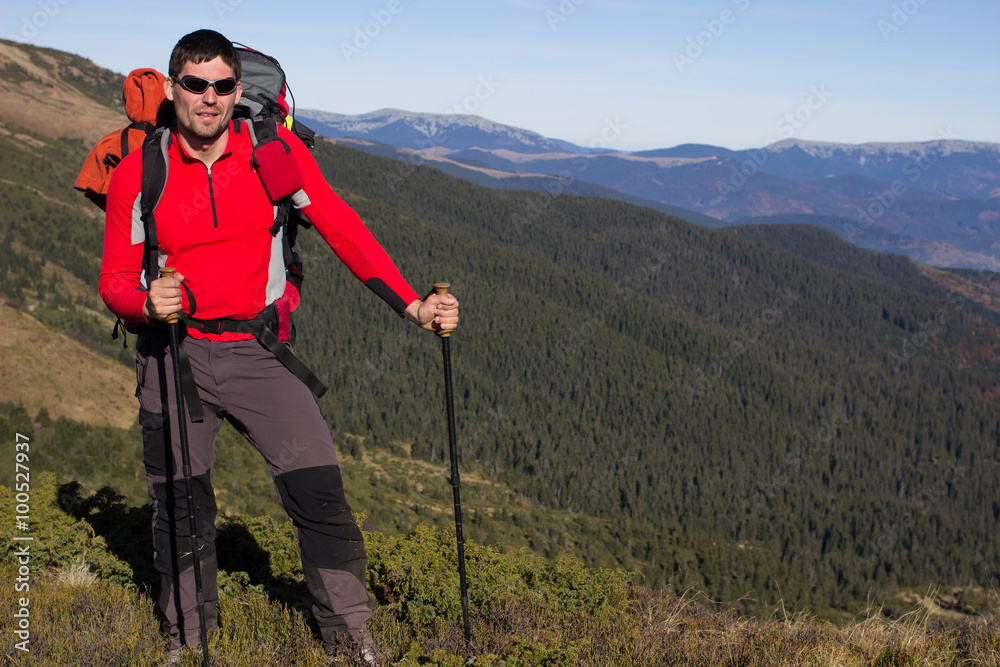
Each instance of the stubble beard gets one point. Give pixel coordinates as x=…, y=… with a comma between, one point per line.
x=208, y=131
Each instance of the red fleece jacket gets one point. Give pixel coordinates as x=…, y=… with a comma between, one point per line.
x=213, y=226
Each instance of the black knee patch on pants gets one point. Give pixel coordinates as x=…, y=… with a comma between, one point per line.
x=174, y=558
x=172, y=532
x=329, y=537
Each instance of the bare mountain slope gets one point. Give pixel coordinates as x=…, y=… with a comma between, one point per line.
x=57, y=94
x=41, y=368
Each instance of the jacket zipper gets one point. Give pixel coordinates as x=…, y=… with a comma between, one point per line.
x=211, y=189
x=211, y=197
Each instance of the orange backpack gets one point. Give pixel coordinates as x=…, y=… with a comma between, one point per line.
x=147, y=107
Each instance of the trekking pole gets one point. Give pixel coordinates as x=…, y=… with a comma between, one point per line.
x=442, y=288
x=175, y=344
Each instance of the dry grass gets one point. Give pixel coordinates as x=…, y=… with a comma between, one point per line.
x=89, y=624
x=77, y=620
x=664, y=629
x=91, y=607
x=57, y=108
x=77, y=574
x=44, y=368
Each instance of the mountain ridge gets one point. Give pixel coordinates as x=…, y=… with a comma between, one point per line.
x=945, y=146
x=429, y=129
x=432, y=123
x=898, y=181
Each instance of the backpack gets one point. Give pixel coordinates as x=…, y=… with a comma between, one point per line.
x=262, y=106
x=264, y=89
x=147, y=107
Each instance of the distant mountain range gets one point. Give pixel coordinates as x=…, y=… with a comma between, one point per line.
x=937, y=202
x=425, y=130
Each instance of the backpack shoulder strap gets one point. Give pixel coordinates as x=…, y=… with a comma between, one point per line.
x=124, y=143
x=134, y=125
x=155, y=166
x=155, y=169
x=263, y=130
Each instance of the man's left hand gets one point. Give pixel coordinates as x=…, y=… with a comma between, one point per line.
x=438, y=312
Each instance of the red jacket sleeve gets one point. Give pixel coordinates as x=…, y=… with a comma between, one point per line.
x=346, y=234
x=121, y=264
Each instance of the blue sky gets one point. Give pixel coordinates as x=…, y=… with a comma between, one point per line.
x=635, y=74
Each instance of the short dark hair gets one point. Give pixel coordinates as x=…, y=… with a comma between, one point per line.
x=201, y=46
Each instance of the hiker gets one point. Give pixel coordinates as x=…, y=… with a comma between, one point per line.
x=213, y=225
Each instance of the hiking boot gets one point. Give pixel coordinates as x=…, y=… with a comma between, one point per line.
x=355, y=652
x=369, y=658
x=173, y=658
x=365, y=657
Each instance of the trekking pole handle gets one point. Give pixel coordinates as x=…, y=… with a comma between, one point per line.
x=168, y=272
x=442, y=288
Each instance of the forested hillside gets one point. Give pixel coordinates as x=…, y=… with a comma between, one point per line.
x=713, y=389
x=731, y=415
x=980, y=290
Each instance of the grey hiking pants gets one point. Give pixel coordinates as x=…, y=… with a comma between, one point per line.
x=243, y=382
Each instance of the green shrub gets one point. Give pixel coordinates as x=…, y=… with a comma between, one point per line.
x=254, y=630
x=60, y=539
x=87, y=608
x=417, y=577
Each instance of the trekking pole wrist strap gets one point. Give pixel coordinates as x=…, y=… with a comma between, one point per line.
x=188, y=386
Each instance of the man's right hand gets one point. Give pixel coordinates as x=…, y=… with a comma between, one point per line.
x=164, y=298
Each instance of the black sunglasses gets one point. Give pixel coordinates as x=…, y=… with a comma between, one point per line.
x=198, y=85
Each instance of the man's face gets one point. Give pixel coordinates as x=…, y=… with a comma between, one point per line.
x=204, y=116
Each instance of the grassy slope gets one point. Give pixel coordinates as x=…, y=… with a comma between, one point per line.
x=89, y=605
